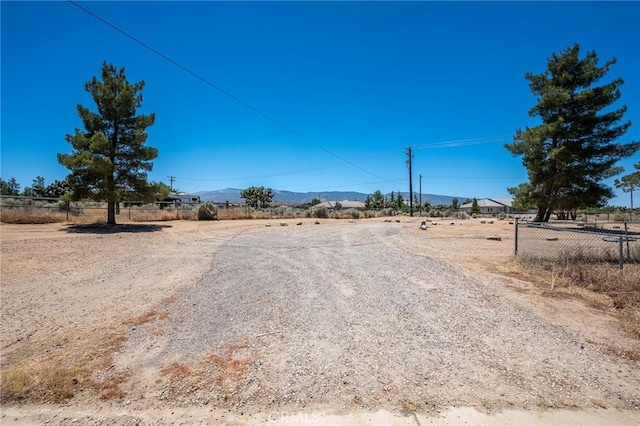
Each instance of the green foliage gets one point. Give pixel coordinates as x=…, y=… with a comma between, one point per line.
x=630, y=182
x=569, y=155
x=455, y=205
x=475, y=209
x=391, y=202
x=338, y=206
x=378, y=200
x=400, y=202
x=355, y=214
x=9, y=187
x=158, y=191
x=257, y=196
x=109, y=158
x=310, y=204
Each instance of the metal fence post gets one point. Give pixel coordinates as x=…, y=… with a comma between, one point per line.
x=516, y=239
x=626, y=236
x=621, y=253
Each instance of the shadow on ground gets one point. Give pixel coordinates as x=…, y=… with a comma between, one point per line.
x=103, y=228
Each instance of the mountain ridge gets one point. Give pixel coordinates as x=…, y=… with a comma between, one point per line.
x=232, y=195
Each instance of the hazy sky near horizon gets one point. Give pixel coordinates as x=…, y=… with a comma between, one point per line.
x=336, y=90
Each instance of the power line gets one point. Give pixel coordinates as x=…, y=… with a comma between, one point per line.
x=324, y=188
x=223, y=91
x=291, y=172
x=461, y=142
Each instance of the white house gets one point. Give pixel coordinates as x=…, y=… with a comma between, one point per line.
x=491, y=206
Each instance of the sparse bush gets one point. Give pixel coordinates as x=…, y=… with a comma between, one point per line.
x=620, y=218
x=355, y=214
x=207, y=212
x=320, y=213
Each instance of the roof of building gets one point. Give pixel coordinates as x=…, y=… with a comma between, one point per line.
x=491, y=202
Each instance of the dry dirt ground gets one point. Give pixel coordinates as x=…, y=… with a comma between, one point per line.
x=345, y=322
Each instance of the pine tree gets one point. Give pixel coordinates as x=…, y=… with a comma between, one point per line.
x=570, y=154
x=110, y=159
x=630, y=182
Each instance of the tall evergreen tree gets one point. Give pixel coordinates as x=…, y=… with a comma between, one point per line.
x=109, y=158
x=630, y=182
x=570, y=154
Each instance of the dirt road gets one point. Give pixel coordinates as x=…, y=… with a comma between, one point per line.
x=256, y=321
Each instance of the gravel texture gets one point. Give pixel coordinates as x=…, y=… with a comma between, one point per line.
x=348, y=316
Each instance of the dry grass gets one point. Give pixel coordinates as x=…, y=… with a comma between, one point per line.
x=228, y=366
x=600, y=284
x=32, y=217
x=77, y=364
x=217, y=374
x=91, y=215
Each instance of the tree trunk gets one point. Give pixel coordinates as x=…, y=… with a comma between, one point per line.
x=111, y=213
x=540, y=216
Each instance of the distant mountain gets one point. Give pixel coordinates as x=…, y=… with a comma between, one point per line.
x=232, y=195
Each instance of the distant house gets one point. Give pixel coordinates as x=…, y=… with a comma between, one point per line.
x=346, y=204
x=491, y=206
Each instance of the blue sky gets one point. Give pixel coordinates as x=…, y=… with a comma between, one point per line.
x=349, y=85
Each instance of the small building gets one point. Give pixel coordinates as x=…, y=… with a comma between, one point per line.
x=491, y=206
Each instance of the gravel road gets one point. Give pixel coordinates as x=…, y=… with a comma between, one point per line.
x=347, y=317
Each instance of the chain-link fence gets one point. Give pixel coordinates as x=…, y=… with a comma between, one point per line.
x=611, y=242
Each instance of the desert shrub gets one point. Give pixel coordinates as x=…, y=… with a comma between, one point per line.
x=207, y=212
x=355, y=214
x=620, y=218
x=387, y=212
x=320, y=213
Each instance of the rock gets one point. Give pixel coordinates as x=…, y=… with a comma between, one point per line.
x=317, y=222
x=267, y=225
x=284, y=224
x=299, y=223
x=423, y=227
x=494, y=238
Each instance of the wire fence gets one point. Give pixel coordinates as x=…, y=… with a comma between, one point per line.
x=25, y=209
x=591, y=242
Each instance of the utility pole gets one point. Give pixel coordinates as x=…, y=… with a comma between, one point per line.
x=410, y=182
x=171, y=179
x=420, y=197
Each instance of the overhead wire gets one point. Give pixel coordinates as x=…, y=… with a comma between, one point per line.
x=223, y=91
x=443, y=144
